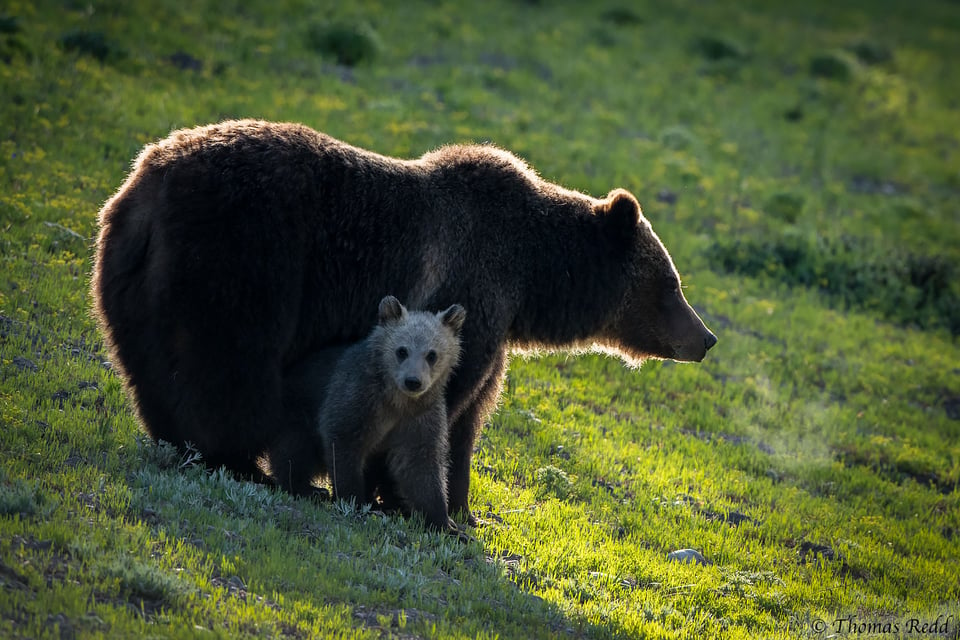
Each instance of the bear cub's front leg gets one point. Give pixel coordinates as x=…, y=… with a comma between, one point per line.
x=417, y=458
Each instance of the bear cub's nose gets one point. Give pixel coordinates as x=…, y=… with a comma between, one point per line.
x=412, y=384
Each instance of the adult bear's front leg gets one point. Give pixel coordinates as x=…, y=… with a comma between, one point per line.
x=465, y=429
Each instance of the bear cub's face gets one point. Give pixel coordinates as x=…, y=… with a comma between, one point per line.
x=418, y=349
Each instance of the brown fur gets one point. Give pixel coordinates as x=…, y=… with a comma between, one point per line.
x=236, y=249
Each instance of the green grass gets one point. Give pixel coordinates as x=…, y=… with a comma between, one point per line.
x=801, y=161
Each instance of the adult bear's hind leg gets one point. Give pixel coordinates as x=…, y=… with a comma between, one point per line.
x=230, y=408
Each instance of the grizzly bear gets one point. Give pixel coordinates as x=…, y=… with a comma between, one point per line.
x=234, y=250
x=381, y=401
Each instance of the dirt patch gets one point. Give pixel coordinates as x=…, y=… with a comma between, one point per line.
x=391, y=622
x=951, y=406
x=876, y=186
x=713, y=436
x=236, y=588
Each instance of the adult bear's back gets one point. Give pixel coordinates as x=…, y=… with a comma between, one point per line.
x=218, y=259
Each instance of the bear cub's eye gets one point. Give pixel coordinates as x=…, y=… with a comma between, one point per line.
x=402, y=354
x=431, y=358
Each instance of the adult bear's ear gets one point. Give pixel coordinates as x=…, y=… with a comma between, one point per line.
x=453, y=317
x=620, y=214
x=391, y=310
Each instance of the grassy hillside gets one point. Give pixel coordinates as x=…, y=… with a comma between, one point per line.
x=800, y=160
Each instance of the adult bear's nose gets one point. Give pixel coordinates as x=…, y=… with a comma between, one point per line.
x=709, y=341
x=412, y=384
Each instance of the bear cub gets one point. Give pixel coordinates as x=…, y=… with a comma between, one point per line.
x=384, y=410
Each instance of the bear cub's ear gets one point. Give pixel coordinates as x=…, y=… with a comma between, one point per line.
x=391, y=310
x=453, y=317
x=620, y=213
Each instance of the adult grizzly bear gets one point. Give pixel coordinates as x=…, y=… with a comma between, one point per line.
x=234, y=250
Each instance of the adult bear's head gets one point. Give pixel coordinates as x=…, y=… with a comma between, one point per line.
x=653, y=319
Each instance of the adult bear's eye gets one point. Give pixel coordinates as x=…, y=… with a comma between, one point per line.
x=431, y=358
x=402, y=354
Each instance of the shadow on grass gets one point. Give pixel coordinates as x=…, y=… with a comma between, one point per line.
x=392, y=574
